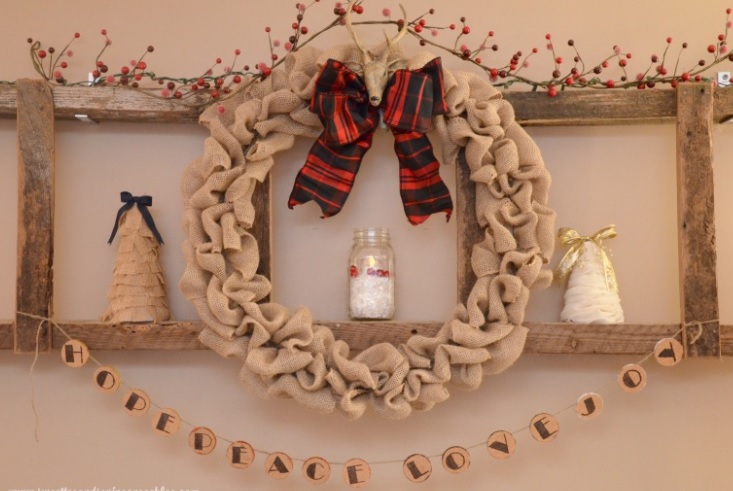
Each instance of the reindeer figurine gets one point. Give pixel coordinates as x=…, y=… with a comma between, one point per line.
x=376, y=71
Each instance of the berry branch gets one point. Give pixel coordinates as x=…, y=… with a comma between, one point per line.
x=217, y=82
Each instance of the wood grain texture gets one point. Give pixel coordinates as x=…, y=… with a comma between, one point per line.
x=111, y=104
x=569, y=108
x=543, y=338
x=262, y=228
x=36, y=167
x=696, y=219
x=469, y=232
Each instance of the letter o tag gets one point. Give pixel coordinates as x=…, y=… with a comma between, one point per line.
x=107, y=379
x=316, y=470
x=632, y=378
x=456, y=460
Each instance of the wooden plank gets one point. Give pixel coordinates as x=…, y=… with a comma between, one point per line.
x=696, y=219
x=593, y=107
x=569, y=108
x=7, y=335
x=111, y=104
x=262, y=228
x=36, y=167
x=543, y=338
x=586, y=339
x=470, y=232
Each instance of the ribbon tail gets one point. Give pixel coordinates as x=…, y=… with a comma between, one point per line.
x=568, y=261
x=422, y=190
x=329, y=173
x=120, y=212
x=608, y=270
x=150, y=222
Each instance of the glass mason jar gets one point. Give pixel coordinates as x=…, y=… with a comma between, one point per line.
x=371, y=275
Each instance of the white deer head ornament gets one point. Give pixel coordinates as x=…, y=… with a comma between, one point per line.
x=377, y=70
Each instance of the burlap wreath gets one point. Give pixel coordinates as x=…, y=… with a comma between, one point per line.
x=284, y=353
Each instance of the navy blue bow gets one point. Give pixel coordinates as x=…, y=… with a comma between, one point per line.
x=142, y=204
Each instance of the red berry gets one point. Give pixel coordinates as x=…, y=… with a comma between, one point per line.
x=604, y=64
x=214, y=94
x=423, y=22
x=142, y=65
x=558, y=60
x=177, y=94
x=552, y=92
x=711, y=48
x=237, y=79
x=494, y=72
x=237, y=52
x=685, y=77
x=267, y=29
x=569, y=81
x=698, y=78
x=125, y=70
x=673, y=84
x=418, y=28
x=138, y=77
x=41, y=53
x=104, y=32
x=218, y=60
x=380, y=273
x=304, y=30
x=721, y=37
x=548, y=37
x=478, y=60
x=151, y=48
x=171, y=85
x=669, y=40
x=610, y=84
x=77, y=35
x=64, y=64
x=294, y=25
x=622, y=62
x=466, y=30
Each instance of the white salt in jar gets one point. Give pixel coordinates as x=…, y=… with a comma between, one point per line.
x=371, y=275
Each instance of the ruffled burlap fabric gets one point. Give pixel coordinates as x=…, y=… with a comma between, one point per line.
x=284, y=353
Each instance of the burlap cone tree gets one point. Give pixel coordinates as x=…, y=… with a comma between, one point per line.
x=137, y=293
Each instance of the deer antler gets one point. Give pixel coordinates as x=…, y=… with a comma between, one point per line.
x=350, y=28
x=392, y=42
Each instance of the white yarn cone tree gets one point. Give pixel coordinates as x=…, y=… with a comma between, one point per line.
x=592, y=295
x=137, y=293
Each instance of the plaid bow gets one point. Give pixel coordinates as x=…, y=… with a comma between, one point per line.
x=412, y=98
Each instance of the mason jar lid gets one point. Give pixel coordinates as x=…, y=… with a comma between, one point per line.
x=369, y=233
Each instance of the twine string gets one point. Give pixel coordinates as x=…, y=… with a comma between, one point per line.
x=525, y=428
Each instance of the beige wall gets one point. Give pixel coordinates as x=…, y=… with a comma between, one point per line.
x=674, y=435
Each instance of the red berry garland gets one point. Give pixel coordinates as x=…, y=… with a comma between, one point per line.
x=50, y=64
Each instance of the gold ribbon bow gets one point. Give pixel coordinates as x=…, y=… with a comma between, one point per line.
x=574, y=240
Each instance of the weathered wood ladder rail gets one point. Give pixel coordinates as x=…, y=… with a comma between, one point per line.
x=694, y=107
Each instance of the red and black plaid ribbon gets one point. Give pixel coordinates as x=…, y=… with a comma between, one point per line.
x=340, y=99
